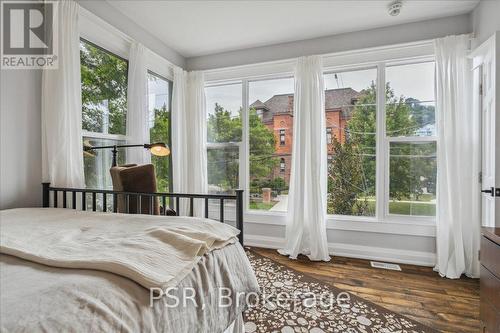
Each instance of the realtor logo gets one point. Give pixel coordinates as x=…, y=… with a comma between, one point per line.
x=29, y=35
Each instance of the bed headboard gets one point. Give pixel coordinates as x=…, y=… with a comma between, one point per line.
x=106, y=201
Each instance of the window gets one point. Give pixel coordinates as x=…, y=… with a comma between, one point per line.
x=282, y=165
x=282, y=137
x=411, y=135
x=104, y=109
x=412, y=178
x=159, y=92
x=97, y=162
x=328, y=135
x=381, y=144
x=408, y=141
x=350, y=107
x=224, y=128
x=270, y=149
x=104, y=90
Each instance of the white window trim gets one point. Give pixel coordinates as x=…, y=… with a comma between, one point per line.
x=105, y=35
x=87, y=32
x=379, y=58
x=399, y=217
x=99, y=32
x=107, y=136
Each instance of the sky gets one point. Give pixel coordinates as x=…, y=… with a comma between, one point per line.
x=415, y=80
x=158, y=90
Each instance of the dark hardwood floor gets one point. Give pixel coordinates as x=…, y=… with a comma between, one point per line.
x=417, y=292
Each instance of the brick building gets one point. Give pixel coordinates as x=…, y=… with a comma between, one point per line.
x=277, y=114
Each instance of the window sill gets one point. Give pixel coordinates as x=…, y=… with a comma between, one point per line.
x=401, y=226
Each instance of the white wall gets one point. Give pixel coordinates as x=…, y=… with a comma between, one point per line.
x=485, y=20
x=20, y=147
x=403, y=33
x=111, y=15
x=392, y=247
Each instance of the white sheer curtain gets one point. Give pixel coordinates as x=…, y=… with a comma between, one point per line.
x=137, y=110
x=189, y=135
x=458, y=216
x=62, y=147
x=306, y=230
x=179, y=142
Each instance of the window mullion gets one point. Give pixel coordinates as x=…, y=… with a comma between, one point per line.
x=244, y=163
x=381, y=147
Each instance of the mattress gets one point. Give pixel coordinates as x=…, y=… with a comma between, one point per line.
x=39, y=298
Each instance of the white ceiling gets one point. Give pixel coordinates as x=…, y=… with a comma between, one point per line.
x=195, y=28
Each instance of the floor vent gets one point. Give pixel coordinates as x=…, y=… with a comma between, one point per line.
x=385, y=265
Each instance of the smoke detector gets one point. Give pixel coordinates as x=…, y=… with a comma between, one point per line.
x=395, y=8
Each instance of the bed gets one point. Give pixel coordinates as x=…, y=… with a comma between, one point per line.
x=68, y=270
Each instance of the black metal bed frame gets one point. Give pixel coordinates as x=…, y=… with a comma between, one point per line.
x=47, y=189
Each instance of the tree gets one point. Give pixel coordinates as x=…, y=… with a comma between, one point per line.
x=352, y=173
x=104, y=103
x=422, y=114
x=223, y=163
x=362, y=130
x=160, y=132
x=104, y=90
x=345, y=179
x=277, y=184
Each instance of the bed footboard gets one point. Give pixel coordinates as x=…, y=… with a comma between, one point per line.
x=106, y=201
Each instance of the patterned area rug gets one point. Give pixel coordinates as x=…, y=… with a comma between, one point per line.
x=292, y=302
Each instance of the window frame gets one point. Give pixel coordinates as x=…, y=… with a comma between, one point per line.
x=232, y=144
x=382, y=147
x=415, y=219
x=378, y=188
x=398, y=217
x=99, y=135
x=329, y=135
x=246, y=135
x=379, y=58
x=170, y=91
x=103, y=35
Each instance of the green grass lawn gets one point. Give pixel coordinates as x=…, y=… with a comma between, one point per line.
x=421, y=208
x=261, y=205
x=413, y=208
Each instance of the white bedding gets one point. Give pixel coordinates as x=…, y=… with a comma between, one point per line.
x=36, y=298
x=155, y=252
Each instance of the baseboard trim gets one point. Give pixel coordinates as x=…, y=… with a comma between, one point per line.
x=355, y=251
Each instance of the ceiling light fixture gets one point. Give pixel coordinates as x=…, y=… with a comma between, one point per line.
x=395, y=8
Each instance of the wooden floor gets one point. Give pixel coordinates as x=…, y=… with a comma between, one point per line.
x=416, y=292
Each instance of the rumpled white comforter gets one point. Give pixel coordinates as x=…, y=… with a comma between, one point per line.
x=154, y=252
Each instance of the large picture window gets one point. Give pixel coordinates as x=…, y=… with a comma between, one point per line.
x=411, y=137
x=380, y=131
x=351, y=122
x=270, y=122
x=104, y=109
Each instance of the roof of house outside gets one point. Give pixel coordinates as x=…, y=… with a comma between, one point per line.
x=258, y=105
x=283, y=104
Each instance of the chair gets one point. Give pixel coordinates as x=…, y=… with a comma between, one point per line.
x=136, y=178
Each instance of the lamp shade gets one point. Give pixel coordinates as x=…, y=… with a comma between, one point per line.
x=158, y=149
